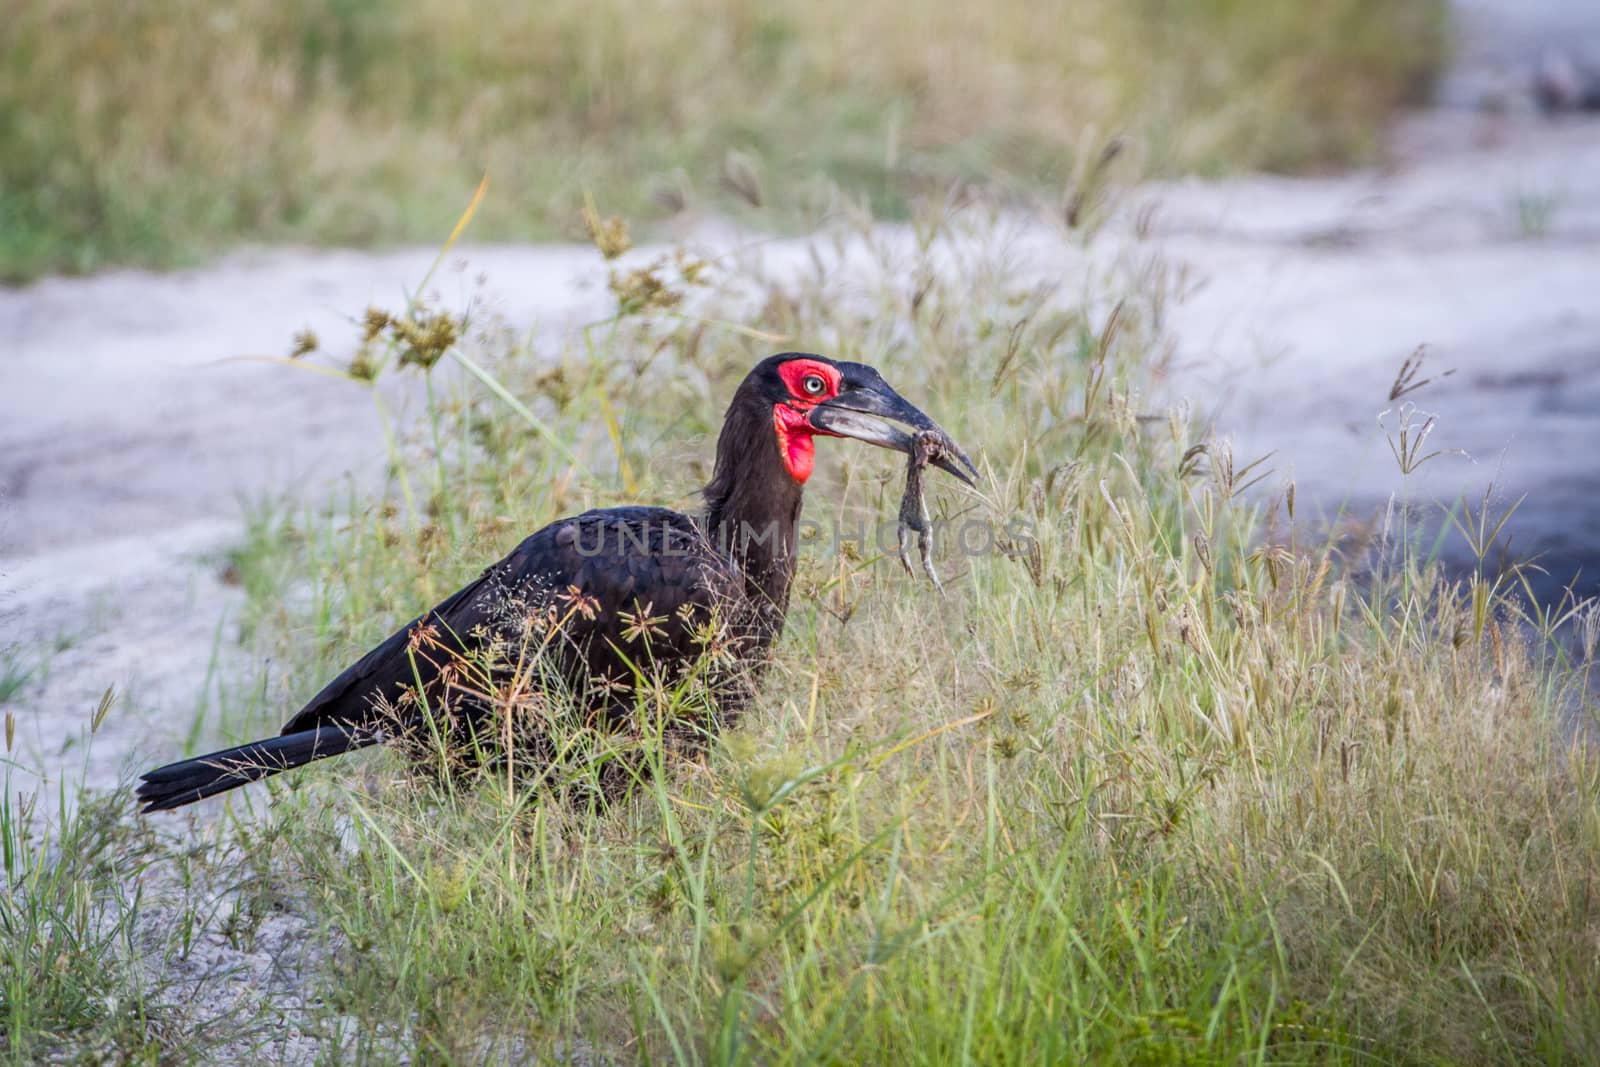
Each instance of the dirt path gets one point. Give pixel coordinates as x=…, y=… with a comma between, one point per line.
x=1482, y=243
x=128, y=440
x=131, y=440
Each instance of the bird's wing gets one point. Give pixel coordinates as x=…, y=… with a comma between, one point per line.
x=393, y=666
x=629, y=584
x=652, y=585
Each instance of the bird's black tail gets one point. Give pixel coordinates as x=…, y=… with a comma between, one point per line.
x=185, y=782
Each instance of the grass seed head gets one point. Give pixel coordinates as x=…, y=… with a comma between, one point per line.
x=305, y=342
x=610, y=235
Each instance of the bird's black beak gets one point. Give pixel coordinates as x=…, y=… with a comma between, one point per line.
x=869, y=410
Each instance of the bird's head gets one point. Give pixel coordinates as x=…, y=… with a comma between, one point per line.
x=812, y=396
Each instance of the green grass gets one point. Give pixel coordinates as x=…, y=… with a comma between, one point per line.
x=156, y=134
x=1165, y=782
x=14, y=675
x=77, y=981
x=23, y=665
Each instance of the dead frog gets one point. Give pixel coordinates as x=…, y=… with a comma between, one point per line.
x=927, y=446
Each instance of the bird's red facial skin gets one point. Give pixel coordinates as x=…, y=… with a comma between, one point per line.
x=790, y=417
x=794, y=374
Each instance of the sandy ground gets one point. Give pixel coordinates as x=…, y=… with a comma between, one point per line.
x=1318, y=290
x=133, y=438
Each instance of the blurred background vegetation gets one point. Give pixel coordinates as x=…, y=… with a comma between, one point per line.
x=154, y=133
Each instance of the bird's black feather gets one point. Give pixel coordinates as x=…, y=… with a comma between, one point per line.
x=632, y=586
x=190, y=780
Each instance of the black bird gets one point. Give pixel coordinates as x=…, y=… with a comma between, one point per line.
x=601, y=580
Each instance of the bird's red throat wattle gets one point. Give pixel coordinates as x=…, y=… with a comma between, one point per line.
x=795, y=443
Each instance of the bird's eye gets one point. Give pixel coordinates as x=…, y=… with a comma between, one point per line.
x=813, y=384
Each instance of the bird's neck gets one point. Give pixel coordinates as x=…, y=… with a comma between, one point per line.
x=753, y=506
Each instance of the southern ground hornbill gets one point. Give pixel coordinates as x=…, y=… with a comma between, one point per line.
x=605, y=595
